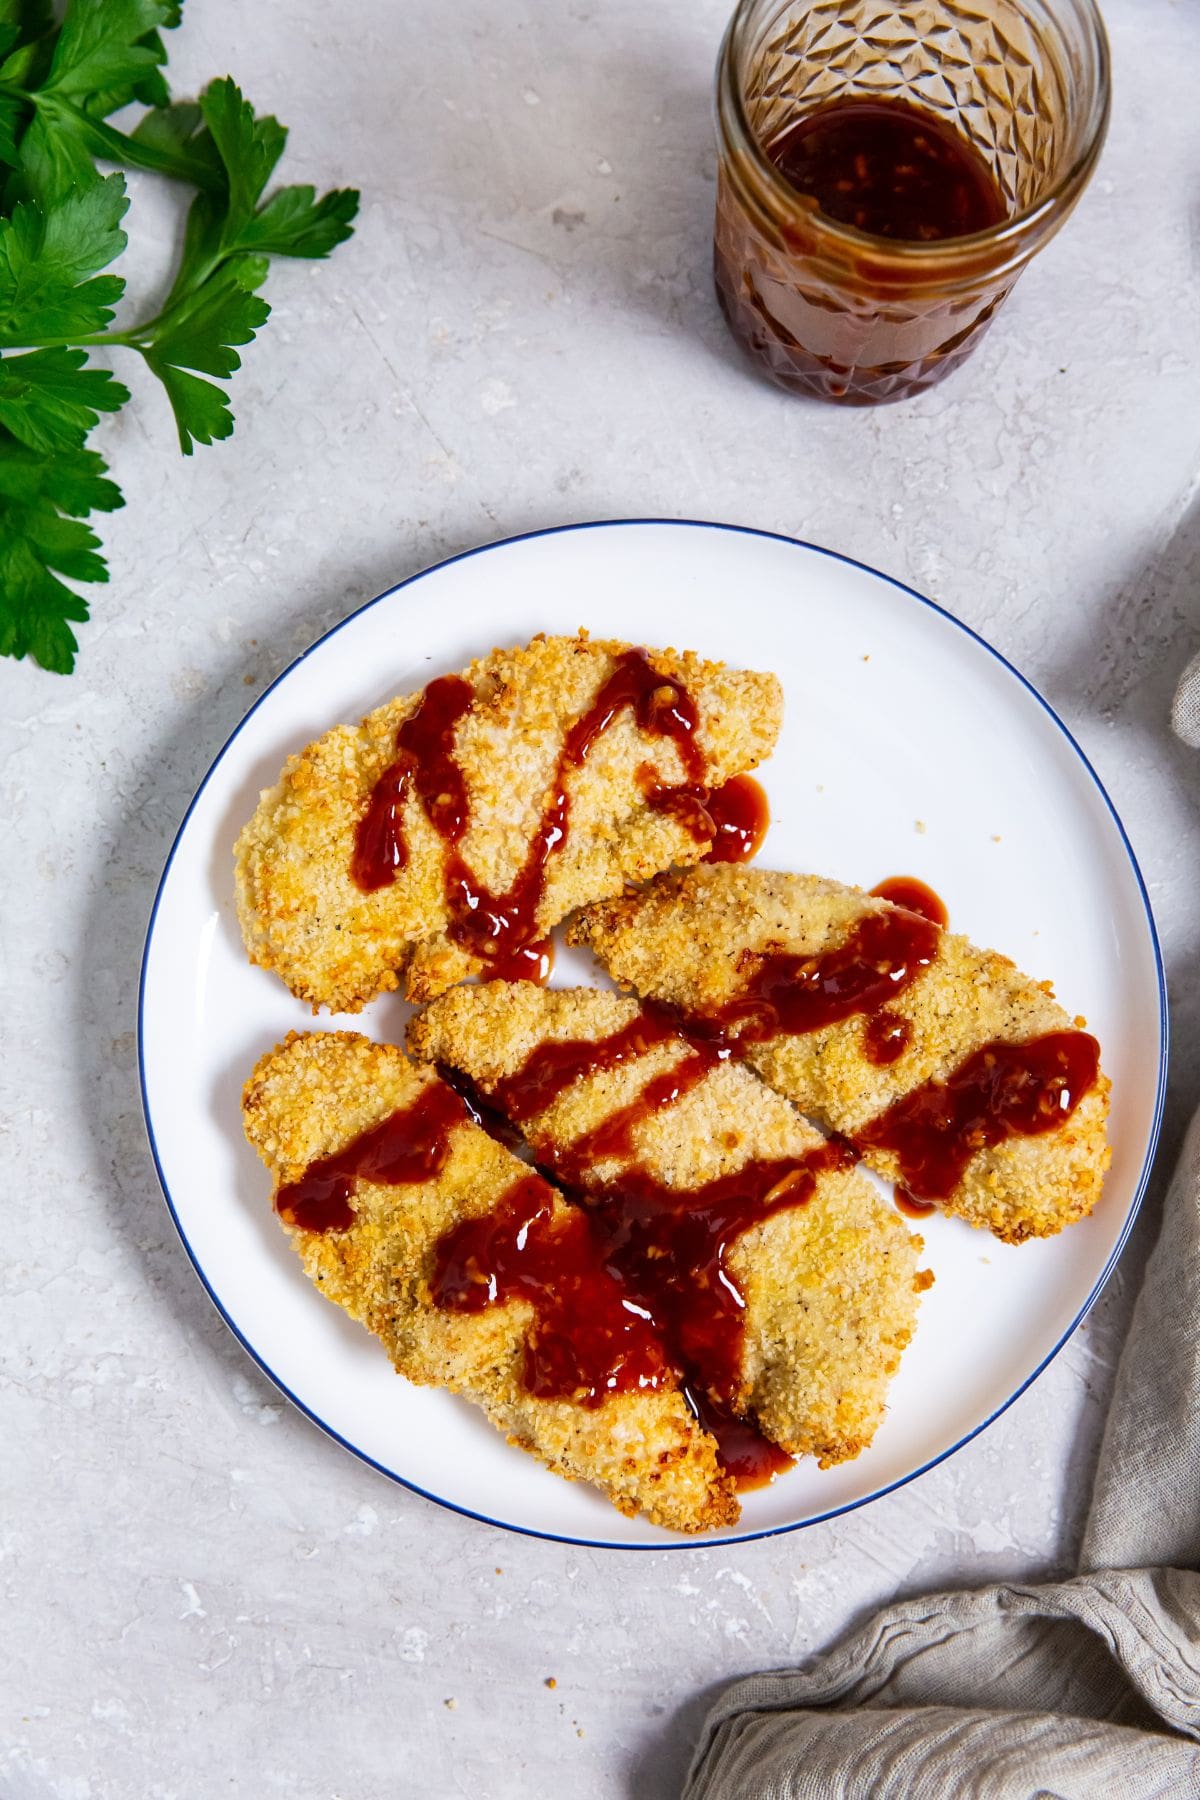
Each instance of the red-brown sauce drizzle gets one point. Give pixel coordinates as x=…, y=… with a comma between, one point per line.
x=916, y=895
x=613, y=1137
x=410, y=1145
x=886, y=1036
x=785, y=993
x=527, y=962
x=587, y=1341
x=662, y=707
x=481, y=1111
x=671, y=1246
x=379, y=843
x=731, y=819
x=741, y=815
x=912, y=1209
x=752, y=1459
x=558, y=1063
x=425, y=742
x=688, y=806
x=497, y=927
x=1001, y=1090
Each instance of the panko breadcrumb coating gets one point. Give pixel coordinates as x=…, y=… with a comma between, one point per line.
x=337, y=946
x=830, y=1286
x=690, y=940
x=318, y=1092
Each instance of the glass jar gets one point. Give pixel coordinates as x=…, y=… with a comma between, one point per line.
x=828, y=310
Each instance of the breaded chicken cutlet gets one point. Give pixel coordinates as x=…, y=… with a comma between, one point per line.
x=951, y=1072
x=456, y=826
x=401, y=1208
x=712, y=1191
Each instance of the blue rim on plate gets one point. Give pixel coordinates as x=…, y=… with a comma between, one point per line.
x=1143, y=1177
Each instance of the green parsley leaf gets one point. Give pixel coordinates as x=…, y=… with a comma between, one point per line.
x=26, y=46
x=151, y=87
x=13, y=114
x=64, y=544
x=26, y=65
x=105, y=45
x=294, y=223
x=47, y=257
x=248, y=147
x=51, y=400
x=33, y=619
x=75, y=481
x=108, y=53
x=27, y=39
x=198, y=333
x=28, y=19
x=202, y=411
x=38, y=543
x=201, y=252
x=53, y=159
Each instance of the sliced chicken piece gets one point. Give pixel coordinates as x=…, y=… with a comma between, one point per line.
x=473, y=1273
x=784, y=1284
x=953, y=1074
x=454, y=827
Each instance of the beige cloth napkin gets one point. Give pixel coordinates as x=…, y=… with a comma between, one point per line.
x=1085, y=1690
x=1185, y=714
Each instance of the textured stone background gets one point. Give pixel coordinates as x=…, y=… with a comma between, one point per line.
x=201, y=1595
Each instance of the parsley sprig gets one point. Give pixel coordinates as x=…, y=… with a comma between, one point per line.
x=61, y=225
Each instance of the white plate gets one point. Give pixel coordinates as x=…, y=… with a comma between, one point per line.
x=909, y=747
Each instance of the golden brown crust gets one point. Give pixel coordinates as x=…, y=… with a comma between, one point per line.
x=336, y=946
x=684, y=939
x=313, y=1095
x=830, y=1287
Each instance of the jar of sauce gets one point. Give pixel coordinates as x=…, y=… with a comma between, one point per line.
x=879, y=190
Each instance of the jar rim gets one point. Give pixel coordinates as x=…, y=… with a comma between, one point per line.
x=1009, y=234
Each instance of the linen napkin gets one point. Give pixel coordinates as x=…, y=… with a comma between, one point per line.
x=1086, y=1689
x=1185, y=714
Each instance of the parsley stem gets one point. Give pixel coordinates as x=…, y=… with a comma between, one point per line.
x=113, y=146
x=133, y=337
x=80, y=341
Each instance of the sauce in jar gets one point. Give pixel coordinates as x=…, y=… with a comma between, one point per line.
x=855, y=318
x=891, y=169
x=885, y=174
